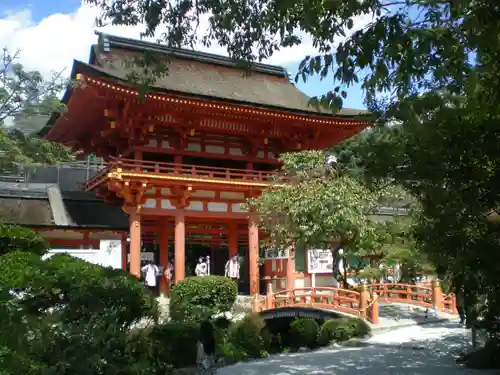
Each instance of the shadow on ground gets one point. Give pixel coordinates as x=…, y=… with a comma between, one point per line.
x=419, y=357
x=392, y=314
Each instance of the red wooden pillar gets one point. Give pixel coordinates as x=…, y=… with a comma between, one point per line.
x=179, y=247
x=135, y=243
x=253, y=261
x=163, y=240
x=437, y=296
x=373, y=310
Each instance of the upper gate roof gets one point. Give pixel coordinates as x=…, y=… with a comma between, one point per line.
x=203, y=74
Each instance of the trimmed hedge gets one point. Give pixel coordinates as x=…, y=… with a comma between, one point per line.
x=304, y=333
x=176, y=343
x=199, y=298
x=247, y=339
x=18, y=238
x=342, y=329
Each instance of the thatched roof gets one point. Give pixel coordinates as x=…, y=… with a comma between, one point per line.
x=83, y=210
x=204, y=74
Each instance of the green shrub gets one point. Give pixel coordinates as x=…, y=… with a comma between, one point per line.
x=304, y=333
x=198, y=298
x=82, y=312
x=176, y=343
x=145, y=352
x=246, y=338
x=222, y=323
x=362, y=329
x=17, y=238
x=272, y=342
x=342, y=329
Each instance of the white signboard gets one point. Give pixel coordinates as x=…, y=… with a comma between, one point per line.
x=319, y=261
x=276, y=254
x=145, y=256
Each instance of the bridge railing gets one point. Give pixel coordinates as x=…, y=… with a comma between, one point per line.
x=404, y=293
x=344, y=300
x=363, y=302
x=450, y=304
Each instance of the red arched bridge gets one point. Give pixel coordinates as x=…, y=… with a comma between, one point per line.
x=363, y=301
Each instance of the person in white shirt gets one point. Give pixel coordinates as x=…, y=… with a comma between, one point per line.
x=150, y=271
x=201, y=268
x=232, y=269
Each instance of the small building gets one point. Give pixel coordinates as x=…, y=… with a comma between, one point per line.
x=185, y=155
x=70, y=220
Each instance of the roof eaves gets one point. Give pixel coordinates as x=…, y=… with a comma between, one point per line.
x=65, y=99
x=100, y=72
x=205, y=57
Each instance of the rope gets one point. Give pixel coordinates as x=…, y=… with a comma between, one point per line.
x=370, y=304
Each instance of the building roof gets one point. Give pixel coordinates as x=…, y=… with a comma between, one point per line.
x=199, y=75
x=30, y=206
x=204, y=74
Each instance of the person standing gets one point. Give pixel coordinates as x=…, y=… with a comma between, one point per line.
x=201, y=268
x=151, y=272
x=461, y=306
x=205, y=354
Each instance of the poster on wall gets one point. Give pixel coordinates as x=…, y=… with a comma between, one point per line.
x=319, y=261
x=276, y=254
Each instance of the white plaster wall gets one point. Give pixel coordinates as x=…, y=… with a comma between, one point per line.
x=109, y=254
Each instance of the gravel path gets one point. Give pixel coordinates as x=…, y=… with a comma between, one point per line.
x=416, y=350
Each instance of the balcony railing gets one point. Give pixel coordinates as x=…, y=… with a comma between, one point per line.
x=194, y=173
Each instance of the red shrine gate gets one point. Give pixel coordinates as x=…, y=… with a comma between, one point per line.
x=184, y=159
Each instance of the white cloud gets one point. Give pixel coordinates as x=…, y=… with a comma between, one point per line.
x=52, y=44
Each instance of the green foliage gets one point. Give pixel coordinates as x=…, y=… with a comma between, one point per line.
x=75, y=290
x=176, y=343
x=17, y=238
x=198, y=298
x=342, y=329
x=18, y=148
x=26, y=93
x=245, y=338
x=316, y=211
x=304, y=333
x=68, y=316
x=387, y=46
x=27, y=99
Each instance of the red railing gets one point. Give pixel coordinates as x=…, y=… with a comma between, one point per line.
x=344, y=300
x=193, y=171
x=404, y=293
x=363, y=303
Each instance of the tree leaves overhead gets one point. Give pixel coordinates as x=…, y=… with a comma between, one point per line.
x=26, y=94
x=389, y=46
x=27, y=100
x=17, y=148
x=318, y=209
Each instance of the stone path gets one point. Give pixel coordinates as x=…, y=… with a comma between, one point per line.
x=416, y=350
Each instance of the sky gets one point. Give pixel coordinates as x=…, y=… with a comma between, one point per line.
x=51, y=33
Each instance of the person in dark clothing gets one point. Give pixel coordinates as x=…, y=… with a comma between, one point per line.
x=461, y=307
x=206, y=349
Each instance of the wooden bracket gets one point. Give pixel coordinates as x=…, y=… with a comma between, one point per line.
x=133, y=193
x=183, y=194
